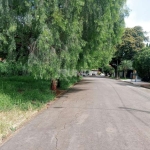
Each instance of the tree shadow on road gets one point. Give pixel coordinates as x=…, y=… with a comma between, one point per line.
x=127, y=84
x=74, y=90
x=83, y=82
x=70, y=91
x=132, y=109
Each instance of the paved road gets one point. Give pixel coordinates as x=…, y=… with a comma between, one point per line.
x=97, y=114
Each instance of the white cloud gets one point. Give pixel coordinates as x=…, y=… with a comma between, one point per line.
x=139, y=15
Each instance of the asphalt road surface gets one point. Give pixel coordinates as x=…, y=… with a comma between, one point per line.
x=95, y=114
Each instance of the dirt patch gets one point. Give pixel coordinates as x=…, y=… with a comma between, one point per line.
x=145, y=86
x=14, y=119
x=58, y=92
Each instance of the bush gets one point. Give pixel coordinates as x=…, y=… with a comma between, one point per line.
x=67, y=82
x=24, y=93
x=142, y=64
x=12, y=68
x=108, y=70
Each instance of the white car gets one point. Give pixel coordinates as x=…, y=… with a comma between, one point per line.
x=84, y=74
x=102, y=74
x=94, y=73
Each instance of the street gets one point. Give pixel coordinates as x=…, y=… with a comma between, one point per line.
x=95, y=114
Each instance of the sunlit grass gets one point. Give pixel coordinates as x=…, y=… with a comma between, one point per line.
x=24, y=93
x=11, y=120
x=20, y=98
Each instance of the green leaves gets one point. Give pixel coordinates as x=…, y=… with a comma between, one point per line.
x=132, y=41
x=126, y=64
x=142, y=63
x=48, y=36
x=102, y=29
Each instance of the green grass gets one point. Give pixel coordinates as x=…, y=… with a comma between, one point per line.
x=21, y=97
x=24, y=93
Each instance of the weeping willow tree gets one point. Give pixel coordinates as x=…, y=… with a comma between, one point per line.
x=103, y=27
x=48, y=36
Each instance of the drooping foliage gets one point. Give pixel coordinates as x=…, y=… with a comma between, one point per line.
x=45, y=37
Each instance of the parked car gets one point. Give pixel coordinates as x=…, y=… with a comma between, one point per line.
x=102, y=74
x=94, y=73
x=84, y=74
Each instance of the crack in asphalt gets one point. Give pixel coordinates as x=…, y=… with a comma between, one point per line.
x=81, y=110
x=64, y=127
x=56, y=137
x=56, y=142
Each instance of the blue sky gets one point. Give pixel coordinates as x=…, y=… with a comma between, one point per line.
x=139, y=14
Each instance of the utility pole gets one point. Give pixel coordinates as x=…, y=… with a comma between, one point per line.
x=117, y=69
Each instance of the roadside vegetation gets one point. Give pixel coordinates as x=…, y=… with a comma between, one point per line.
x=142, y=63
x=24, y=93
x=45, y=44
x=131, y=54
x=21, y=97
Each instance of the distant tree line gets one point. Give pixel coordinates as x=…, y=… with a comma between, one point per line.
x=132, y=53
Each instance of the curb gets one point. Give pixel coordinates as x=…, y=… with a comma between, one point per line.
x=139, y=85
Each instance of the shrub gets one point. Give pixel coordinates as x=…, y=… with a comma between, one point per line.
x=12, y=68
x=108, y=69
x=67, y=82
x=24, y=93
x=142, y=63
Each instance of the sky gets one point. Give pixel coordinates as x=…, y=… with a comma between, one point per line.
x=139, y=14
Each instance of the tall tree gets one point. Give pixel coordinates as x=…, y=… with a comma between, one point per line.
x=125, y=65
x=45, y=35
x=132, y=41
x=102, y=29
x=142, y=63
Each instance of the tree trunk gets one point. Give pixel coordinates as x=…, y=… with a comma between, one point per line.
x=53, y=85
x=116, y=73
x=125, y=74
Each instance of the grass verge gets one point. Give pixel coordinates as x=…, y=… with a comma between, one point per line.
x=20, y=98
